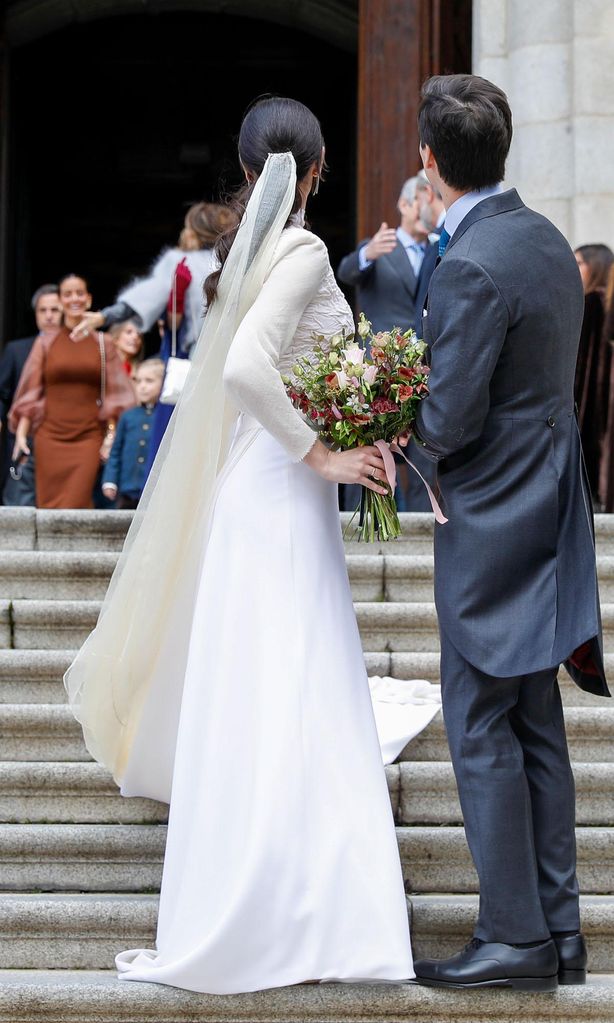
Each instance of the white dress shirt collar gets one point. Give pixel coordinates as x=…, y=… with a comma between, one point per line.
x=459, y=209
x=406, y=239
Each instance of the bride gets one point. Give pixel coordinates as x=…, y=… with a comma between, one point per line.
x=226, y=674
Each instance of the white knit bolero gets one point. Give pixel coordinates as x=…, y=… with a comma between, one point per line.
x=300, y=297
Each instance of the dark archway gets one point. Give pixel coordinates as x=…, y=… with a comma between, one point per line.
x=335, y=21
x=133, y=118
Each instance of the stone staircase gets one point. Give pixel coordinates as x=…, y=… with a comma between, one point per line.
x=80, y=867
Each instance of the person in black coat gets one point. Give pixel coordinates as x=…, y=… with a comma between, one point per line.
x=48, y=316
x=592, y=384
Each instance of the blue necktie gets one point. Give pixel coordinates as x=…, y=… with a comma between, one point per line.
x=444, y=238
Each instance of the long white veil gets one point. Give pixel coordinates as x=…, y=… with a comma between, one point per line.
x=144, y=623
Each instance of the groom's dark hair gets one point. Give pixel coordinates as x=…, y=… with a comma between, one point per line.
x=467, y=122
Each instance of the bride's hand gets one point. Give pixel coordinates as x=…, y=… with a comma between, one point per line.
x=357, y=465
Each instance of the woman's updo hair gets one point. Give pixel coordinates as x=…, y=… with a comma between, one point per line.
x=206, y=221
x=273, y=124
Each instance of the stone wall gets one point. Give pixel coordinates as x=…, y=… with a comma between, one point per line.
x=555, y=59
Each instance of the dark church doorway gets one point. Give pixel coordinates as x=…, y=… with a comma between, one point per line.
x=118, y=125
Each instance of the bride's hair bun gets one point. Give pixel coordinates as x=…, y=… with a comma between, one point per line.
x=272, y=124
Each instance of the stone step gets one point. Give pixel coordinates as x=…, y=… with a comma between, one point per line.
x=48, y=575
x=40, y=732
x=48, y=732
x=442, y=924
x=589, y=734
x=128, y=858
x=75, y=793
x=58, y=996
x=85, y=932
x=437, y=860
x=33, y=676
x=84, y=575
x=424, y=664
x=53, y=624
x=420, y=793
x=425, y=793
x=28, y=529
x=394, y=627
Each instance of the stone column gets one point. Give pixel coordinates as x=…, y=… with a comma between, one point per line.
x=554, y=59
x=593, y=132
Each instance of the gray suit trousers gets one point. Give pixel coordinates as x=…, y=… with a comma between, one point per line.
x=510, y=757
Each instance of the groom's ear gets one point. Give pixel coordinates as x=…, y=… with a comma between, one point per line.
x=426, y=155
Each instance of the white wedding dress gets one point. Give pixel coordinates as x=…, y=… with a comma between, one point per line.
x=281, y=862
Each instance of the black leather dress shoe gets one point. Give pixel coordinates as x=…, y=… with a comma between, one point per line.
x=572, y=959
x=493, y=964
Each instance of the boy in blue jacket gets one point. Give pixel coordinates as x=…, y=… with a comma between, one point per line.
x=126, y=470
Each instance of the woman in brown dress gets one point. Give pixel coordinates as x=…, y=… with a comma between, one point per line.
x=70, y=394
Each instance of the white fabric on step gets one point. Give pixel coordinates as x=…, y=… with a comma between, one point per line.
x=402, y=708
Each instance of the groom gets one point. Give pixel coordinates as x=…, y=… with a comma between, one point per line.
x=515, y=574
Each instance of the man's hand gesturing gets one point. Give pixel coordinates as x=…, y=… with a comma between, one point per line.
x=383, y=241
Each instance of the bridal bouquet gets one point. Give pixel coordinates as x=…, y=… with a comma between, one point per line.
x=356, y=400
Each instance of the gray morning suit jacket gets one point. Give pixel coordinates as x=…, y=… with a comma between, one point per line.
x=515, y=574
x=389, y=294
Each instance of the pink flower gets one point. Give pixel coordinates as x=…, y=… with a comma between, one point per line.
x=370, y=374
x=354, y=355
x=336, y=412
x=405, y=392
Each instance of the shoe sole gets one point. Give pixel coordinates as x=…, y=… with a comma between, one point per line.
x=572, y=976
x=536, y=984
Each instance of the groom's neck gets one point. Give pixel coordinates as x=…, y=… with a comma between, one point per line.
x=450, y=195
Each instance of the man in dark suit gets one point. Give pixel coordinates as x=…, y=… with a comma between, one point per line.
x=48, y=316
x=515, y=574
x=392, y=271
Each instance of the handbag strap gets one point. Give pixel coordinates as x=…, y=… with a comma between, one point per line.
x=174, y=317
x=103, y=370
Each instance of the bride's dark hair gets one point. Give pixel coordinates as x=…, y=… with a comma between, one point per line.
x=273, y=124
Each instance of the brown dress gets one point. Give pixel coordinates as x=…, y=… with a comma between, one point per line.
x=69, y=438
x=60, y=392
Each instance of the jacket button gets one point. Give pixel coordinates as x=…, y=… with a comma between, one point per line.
x=551, y=421
x=140, y=460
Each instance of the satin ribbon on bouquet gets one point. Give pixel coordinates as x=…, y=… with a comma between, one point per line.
x=386, y=451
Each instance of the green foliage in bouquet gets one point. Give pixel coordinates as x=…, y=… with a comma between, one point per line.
x=354, y=399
